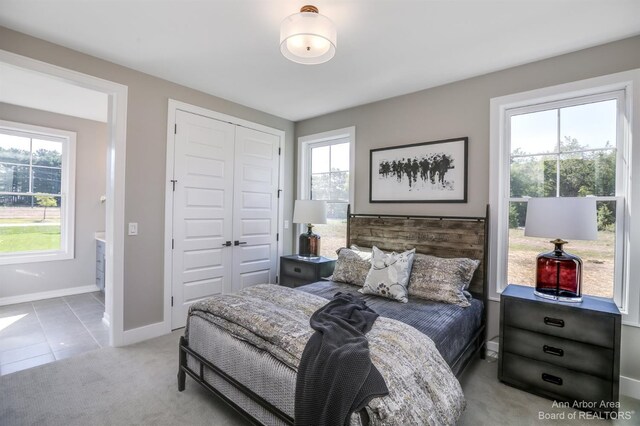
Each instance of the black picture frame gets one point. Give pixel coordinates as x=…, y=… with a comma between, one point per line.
x=436, y=172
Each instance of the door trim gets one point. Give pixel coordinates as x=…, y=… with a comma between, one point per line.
x=174, y=106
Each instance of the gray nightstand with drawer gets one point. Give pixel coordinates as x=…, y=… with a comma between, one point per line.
x=564, y=351
x=296, y=271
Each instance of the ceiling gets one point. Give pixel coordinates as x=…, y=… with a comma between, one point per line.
x=385, y=48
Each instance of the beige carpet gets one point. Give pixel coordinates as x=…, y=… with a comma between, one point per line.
x=136, y=385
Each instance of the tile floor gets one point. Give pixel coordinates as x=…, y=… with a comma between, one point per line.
x=36, y=333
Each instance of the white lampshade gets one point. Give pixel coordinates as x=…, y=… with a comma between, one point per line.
x=310, y=211
x=569, y=218
x=308, y=37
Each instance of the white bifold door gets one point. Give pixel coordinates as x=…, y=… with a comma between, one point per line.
x=225, y=210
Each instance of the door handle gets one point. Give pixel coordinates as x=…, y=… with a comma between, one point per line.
x=237, y=243
x=227, y=244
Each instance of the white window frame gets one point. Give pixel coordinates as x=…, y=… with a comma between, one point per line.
x=305, y=143
x=626, y=291
x=67, y=193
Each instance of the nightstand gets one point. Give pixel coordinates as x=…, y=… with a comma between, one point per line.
x=569, y=352
x=296, y=271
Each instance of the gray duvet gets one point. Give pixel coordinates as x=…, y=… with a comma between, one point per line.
x=451, y=327
x=275, y=319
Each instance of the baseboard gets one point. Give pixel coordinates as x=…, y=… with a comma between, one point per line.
x=630, y=387
x=492, y=347
x=146, y=332
x=106, y=319
x=10, y=300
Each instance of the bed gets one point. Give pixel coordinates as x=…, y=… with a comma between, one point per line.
x=259, y=380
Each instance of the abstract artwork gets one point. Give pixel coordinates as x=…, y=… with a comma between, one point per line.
x=427, y=172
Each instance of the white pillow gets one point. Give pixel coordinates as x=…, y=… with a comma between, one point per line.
x=389, y=274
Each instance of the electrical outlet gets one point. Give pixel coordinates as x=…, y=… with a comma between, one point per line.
x=133, y=228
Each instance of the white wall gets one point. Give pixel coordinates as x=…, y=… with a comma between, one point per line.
x=91, y=157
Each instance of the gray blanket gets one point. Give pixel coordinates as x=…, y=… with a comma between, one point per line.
x=335, y=376
x=422, y=388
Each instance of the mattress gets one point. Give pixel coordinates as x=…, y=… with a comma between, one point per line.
x=257, y=337
x=451, y=327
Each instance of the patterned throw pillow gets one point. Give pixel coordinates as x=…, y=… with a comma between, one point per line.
x=352, y=266
x=389, y=274
x=442, y=280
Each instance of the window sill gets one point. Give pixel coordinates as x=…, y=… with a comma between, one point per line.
x=14, y=258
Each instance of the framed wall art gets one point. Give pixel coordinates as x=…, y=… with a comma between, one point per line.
x=427, y=172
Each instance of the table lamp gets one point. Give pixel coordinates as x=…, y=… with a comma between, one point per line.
x=309, y=212
x=558, y=273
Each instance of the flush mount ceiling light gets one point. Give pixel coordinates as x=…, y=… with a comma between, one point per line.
x=308, y=37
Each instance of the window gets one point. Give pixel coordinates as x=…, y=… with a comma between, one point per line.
x=326, y=164
x=569, y=143
x=36, y=193
x=566, y=149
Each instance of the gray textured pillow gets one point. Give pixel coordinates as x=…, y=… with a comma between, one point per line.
x=389, y=274
x=352, y=266
x=440, y=279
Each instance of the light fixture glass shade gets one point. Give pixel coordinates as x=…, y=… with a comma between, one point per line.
x=558, y=273
x=308, y=38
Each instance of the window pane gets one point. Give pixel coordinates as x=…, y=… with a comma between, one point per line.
x=521, y=267
x=340, y=157
x=46, y=181
x=340, y=186
x=29, y=224
x=320, y=159
x=47, y=153
x=597, y=256
x=14, y=149
x=591, y=125
x=534, y=133
x=333, y=234
x=14, y=178
x=320, y=186
x=588, y=173
x=533, y=176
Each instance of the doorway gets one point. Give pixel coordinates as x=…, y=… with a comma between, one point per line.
x=115, y=183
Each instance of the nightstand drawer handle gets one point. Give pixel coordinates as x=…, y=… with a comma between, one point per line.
x=552, y=379
x=298, y=270
x=552, y=351
x=554, y=322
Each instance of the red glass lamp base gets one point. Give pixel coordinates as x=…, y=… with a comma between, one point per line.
x=559, y=275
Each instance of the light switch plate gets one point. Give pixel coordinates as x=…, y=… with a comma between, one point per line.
x=133, y=228
x=286, y=224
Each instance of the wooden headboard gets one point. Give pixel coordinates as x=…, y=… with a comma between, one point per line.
x=442, y=236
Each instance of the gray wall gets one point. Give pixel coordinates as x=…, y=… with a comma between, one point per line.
x=145, y=171
x=91, y=160
x=462, y=109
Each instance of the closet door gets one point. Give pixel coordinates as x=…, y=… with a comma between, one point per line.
x=255, y=208
x=202, y=211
